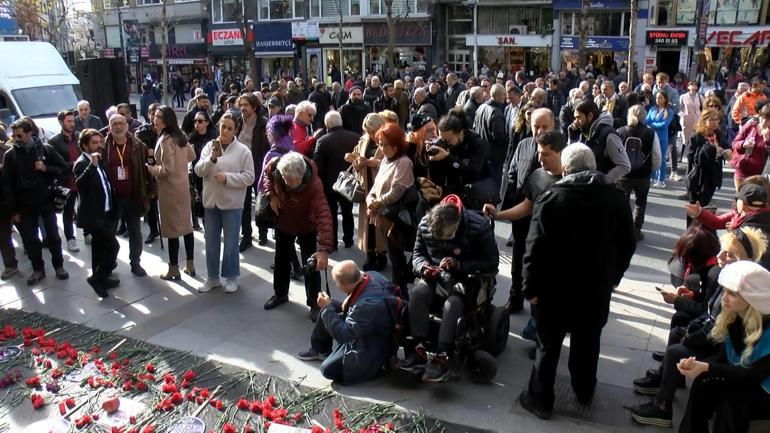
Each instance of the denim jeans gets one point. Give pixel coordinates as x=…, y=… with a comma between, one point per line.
x=216, y=222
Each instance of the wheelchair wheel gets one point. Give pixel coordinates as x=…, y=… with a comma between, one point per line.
x=482, y=367
x=496, y=335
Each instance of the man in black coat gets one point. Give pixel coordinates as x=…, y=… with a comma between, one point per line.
x=386, y=101
x=354, y=111
x=251, y=130
x=66, y=143
x=490, y=125
x=95, y=212
x=339, y=96
x=201, y=104
x=580, y=244
x=85, y=119
x=454, y=88
x=323, y=103
x=329, y=157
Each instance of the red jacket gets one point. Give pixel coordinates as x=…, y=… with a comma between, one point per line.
x=729, y=220
x=303, y=142
x=303, y=211
x=748, y=164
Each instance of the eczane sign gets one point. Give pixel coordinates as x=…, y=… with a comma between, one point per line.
x=226, y=37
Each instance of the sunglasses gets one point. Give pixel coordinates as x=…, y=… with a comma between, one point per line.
x=200, y=120
x=484, y=87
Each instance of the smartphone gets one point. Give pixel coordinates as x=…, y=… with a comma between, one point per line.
x=658, y=289
x=215, y=144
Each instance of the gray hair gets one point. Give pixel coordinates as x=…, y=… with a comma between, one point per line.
x=573, y=94
x=577, y=157
x=198, y=91
x=636, y=115
x=497, y=90
x=347, y=272
x=332, y=119
x=289, y=110
x=421, y=92
x=476, y=92
x=609, y=84
x=292, y=165
x=587, y=86
x=743, y=85
x=305, y=106
x=538, y=96
x=83, y=103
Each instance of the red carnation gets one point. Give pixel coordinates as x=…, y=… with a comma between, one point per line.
x=337, y=419
x=149, y=368
x=242, y=404
x=37, y=401
x=228, y=428
x=33, y=382
x=169, y=388
x=189, y=375
x=70, y=402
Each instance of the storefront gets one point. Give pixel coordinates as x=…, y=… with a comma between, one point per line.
x=305, y=35
x=513, y=52
x=187, y=59
x=412, y=46
x=226, y=48
x=605, y=53
x=274, y=49
x=742, y=49
x=668, y=50
x=351, y=60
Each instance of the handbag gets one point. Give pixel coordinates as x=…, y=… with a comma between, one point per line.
x=264, y=213
x=475, y=195
x=349, y=186
x=59, y=194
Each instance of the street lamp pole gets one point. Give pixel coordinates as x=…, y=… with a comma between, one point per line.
x=474, y=4
x=120, y=29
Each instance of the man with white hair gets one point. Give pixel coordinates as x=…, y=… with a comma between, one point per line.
x=567, y=113
x=297, y=198
x=302, y=129
x=580, y=212
x=329, y=157
x=85, y=119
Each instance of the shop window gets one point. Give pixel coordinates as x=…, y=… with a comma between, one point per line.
x=686, y=11
x=281, y=9
x=664, y=6
x=730, y=12
x=399, y=7
x=224, y=11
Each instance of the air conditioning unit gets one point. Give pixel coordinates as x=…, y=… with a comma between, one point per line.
x=517, y=30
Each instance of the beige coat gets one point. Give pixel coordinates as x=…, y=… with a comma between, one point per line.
x=363, y=220
x=173, y=187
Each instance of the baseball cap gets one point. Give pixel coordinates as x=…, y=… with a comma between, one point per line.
x=753, y=195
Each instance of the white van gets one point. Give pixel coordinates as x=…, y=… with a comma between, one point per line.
x=35, y=82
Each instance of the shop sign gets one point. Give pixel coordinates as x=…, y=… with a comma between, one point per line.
x=407, y=33
x=180, y=51
x=272, y=37
x=738, y=37
x=608, y=43
x=108, y=53
x=226, y=37
x=349, y=35
x=305, y=31
x=132, y=53
x=508, y=40
x=667, y=37
x=593, y=4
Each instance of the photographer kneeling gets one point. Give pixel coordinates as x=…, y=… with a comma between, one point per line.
x=362, y=325
x=451, y=243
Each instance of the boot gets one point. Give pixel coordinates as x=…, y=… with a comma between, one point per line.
x=381, y=262
x=189, y=268
x=371, y=258
x=172, y=274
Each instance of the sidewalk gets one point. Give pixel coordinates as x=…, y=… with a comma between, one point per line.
x=234, y=328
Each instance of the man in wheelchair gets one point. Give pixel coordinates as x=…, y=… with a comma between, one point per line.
x=452, y=243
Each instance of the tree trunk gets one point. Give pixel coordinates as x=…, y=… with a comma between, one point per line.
x=582, y=53
x=631, y=33
x=340, y=40
x=164, y=61
x=391, y=36
x=247, y=50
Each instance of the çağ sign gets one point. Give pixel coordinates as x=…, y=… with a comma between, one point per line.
x=350, y=35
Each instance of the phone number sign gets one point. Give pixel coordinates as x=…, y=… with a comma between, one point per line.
x=667, y=37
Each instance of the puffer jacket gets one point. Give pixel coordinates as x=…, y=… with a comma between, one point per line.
x=364, y=330
x=473, y=246
x=466, y=164
x=748, y=163
x=304, y=210
x=23, y=186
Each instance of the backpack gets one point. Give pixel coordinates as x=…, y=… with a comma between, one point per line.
x=635, y=151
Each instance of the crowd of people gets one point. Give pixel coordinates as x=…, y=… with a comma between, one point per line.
x=431, y=164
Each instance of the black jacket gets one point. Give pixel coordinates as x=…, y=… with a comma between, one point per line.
x=566, y=117
x=452, y=93
x=91, y=214
x=553, y=101
x=353, y=115
x=647, y=136
x=579, y=245
x=259, y=144
x=199, y=141
x=473, y=246
x=329, y=154
x=522, y=163
x=339, y=99
x=619, y=112
x=490, y=124
x=188, y=122
x=385, y=104
x=439, y=101
x=470, y=109
x=93, y=123
x=26, y=188
x=371, y=94
x=323, y=103
x=466, y=164
x=704, y=169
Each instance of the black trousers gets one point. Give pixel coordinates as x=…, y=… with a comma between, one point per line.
x=519, y=229
x=125, y=208
x=68, y=215
x=284, y=250
x=173, y=248
x=732, y=405
x=421, y=298
x=339, y=204
x=152, y=216
x=640, y=188
x=6, y=242
x=29, y=227
x=104, y=249
x=583, y=359
x=401, y=274
x=246, y=230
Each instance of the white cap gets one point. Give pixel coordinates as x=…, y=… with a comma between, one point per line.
x=751, y=281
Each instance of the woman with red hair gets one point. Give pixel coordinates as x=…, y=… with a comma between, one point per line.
x=393, y=179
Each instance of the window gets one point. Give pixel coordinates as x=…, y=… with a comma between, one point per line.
x=686, y=11
x=284, y=9
x=664, y=6
x=731, y=12
x=147, y=2
x=399, y=8
x=331, y=8
x=315, y=8
x=374, y=7
x=224, y=11
x=597, y=24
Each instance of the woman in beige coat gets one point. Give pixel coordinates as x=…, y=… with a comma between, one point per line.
x=172, y=154
x=366, y=159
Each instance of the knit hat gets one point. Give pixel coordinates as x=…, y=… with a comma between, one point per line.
x=750, y=280
x=356, y=87
x=419, y=120
x=753, y=195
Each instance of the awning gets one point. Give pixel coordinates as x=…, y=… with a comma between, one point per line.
x=273, y=54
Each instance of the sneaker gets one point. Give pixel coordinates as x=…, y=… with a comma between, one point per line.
x=88, y=239
x=138, y=270
x=675, y=177
x=35, y=278
x=648, y=385
x=533, y=406
x=651, y=414
x=231, y=285
x=312, y=355
x=415, y=359
x=61, y=273
x=72, y=245
x=9, y=273
x=210, y=284
x=437, y=369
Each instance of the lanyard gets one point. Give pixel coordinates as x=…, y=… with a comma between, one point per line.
x=120, y=153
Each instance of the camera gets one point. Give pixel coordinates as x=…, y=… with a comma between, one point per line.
x=310, y=266
x=432, y=151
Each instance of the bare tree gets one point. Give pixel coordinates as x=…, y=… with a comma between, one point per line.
x=582, y=53
x=631, y=32
x=338, y=4
x=392, y=21
x=243, y=25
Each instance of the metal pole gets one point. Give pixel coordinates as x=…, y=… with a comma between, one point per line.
x=120, y=24
x=475, y=39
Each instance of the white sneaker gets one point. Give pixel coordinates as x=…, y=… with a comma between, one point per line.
x=209, y=285
x=72, y=246
x=231, y=285
x=88, y=239
x=675, y=177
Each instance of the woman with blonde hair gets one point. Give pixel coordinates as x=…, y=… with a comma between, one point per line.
x=389, y=116
x=366, y=159
x=734, y=387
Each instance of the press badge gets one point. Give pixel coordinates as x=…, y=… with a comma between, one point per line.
x=121, y=173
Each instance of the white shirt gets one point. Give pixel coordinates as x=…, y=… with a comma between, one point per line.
x=105, y=184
